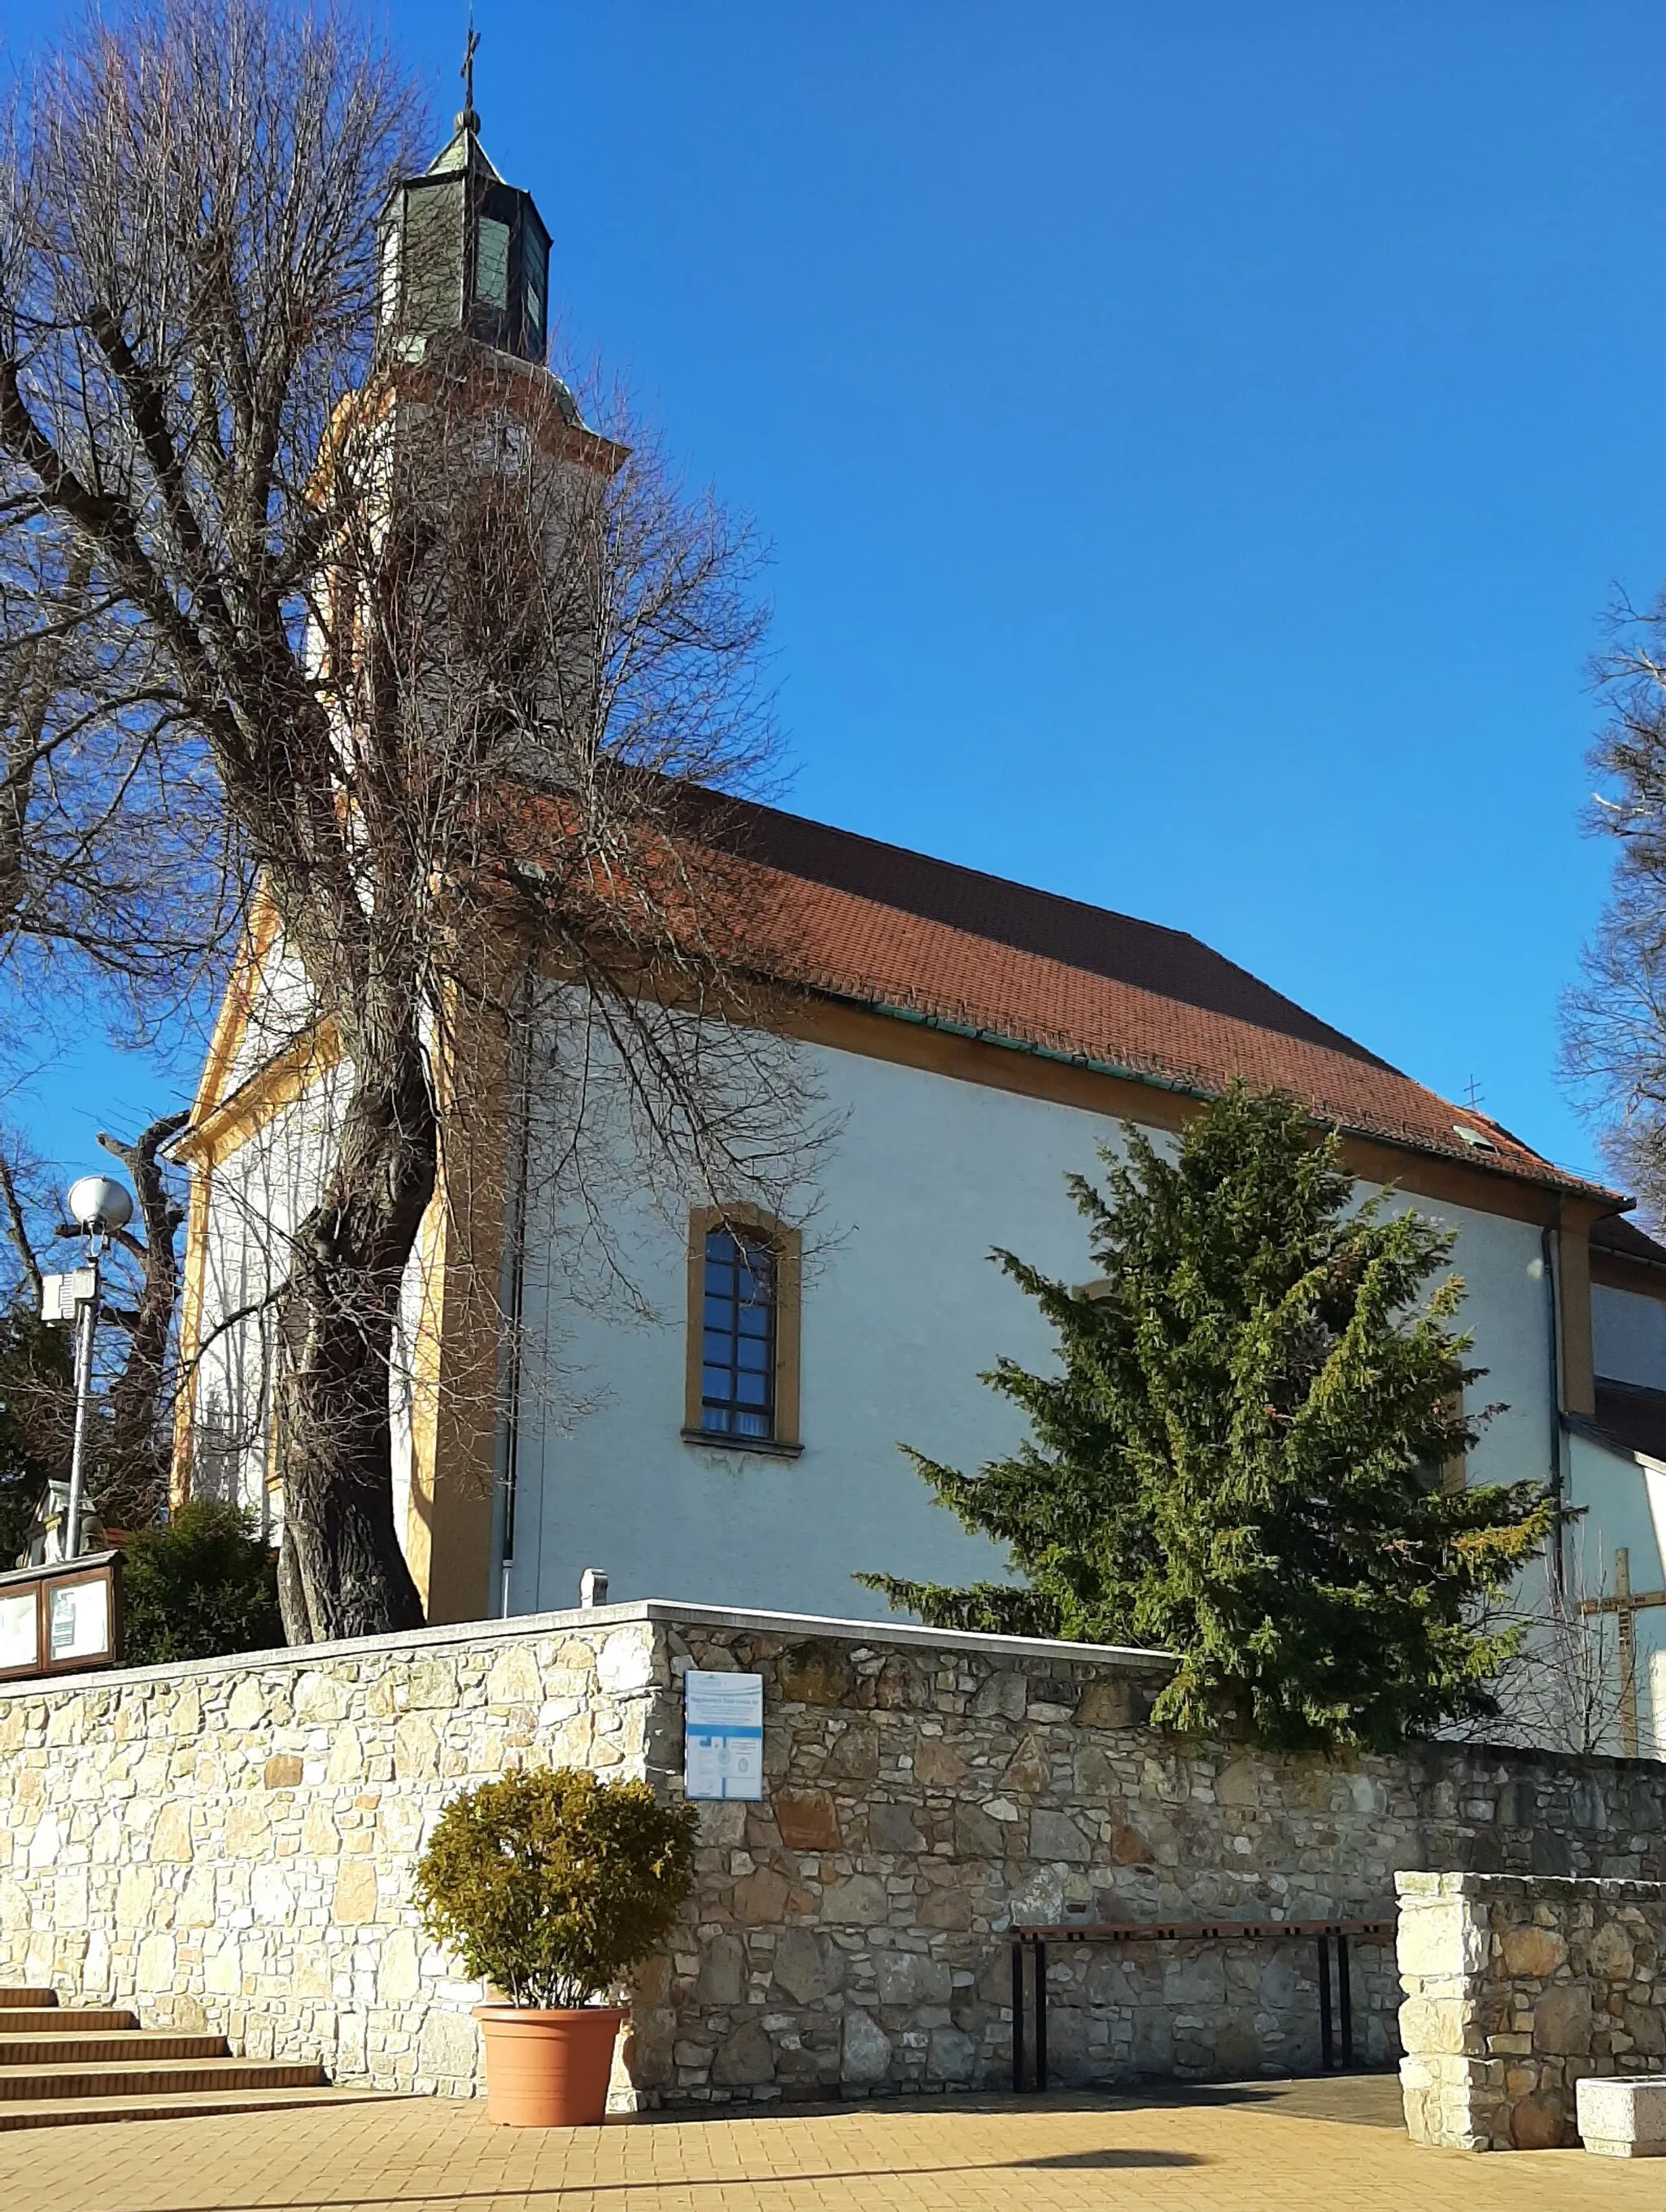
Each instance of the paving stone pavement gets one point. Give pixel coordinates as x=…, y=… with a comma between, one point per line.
x=1288, y=2148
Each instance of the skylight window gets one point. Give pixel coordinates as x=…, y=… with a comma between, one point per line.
x=1477, y=1140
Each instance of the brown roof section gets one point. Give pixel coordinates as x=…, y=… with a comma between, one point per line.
x=883, y=927
x=1615, y=1234
x=1631, y=1416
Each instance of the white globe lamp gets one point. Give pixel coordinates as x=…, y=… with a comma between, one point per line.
x=100, y=1205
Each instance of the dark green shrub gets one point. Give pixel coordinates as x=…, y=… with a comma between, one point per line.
x=549, y=1884
x=36, y=1407
x=203, y=1585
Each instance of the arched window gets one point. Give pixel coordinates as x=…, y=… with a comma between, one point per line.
x=743, y=1331
x=738, y=1356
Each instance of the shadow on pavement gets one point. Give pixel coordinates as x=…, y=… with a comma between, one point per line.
x=1370, y=2100
x=1359, y=2101
x=1082, y=2160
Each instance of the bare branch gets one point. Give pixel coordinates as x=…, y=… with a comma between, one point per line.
x=443, y=664
x=17, y=1229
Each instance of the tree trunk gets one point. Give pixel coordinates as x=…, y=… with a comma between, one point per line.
x=133, y=1484
x=342, y=1572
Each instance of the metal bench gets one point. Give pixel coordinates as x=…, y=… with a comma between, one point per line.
x=1122, y=1934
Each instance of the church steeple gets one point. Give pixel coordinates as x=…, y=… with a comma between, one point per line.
x=462, y=251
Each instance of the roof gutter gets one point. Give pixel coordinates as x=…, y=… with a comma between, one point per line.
x=1549, y=1259
x=1632, y=1259
x=999, y=1037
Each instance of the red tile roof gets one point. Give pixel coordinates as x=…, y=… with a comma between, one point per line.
x=879, y=927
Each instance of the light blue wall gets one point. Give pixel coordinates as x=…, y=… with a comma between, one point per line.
x=1615, y=1502
x=902, y=1310
x=1623, y=1502
x=1628, y=1336
x=901, y=1307
x=1506, y=1309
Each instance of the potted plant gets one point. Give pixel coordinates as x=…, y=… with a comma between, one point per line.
x=549, y=1885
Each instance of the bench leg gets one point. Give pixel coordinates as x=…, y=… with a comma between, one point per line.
x=1327, y=2051
x=1018, y=2019
x=1344, y=2001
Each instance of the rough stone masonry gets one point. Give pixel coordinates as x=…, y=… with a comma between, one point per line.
x=231, y=1844
x=1517, y=1989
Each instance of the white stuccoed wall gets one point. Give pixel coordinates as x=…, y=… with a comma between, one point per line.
x=258, y=1193
x=902, y=1308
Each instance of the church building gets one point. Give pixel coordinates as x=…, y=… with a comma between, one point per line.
x=729, y=1433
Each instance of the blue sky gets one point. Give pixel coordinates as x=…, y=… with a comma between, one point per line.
x=1199, y=445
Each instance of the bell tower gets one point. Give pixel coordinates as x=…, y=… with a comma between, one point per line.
x=463, y=252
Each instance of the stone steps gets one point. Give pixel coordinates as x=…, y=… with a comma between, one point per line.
x=195, y=2104
x=130, y=2045
x=159, y=2077
x=62, y=2065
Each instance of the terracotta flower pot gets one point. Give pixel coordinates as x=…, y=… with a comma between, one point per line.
x=547, y=2069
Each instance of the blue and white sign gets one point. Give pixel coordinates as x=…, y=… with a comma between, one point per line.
x=722, y=1734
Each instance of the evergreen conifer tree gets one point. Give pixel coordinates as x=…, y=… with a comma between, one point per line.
x=1241, y=1457
x=204, y=1584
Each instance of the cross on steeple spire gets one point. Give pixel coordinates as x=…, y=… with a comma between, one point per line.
x=469, y=120
x=463, y=253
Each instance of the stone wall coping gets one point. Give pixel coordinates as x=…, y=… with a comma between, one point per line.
x=1538, y=1889
x=830, y=1627
x=490, y=1635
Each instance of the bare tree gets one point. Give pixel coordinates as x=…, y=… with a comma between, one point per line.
x=1564, y=1687
x=23, y=1190
x=116, y=857
x=134, y=1489
x=1616, y=1018
x=138, y=1387
x=466, y=674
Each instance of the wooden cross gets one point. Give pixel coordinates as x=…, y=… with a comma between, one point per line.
x=1624, y=1605
x=467, y=120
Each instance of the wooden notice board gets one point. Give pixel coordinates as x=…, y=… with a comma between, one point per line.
x=61, y=1619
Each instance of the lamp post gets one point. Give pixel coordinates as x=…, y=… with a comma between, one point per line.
x=99, y=1207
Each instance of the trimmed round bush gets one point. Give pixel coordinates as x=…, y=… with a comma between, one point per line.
x=550, y=1884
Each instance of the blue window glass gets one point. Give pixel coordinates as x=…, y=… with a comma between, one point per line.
x=737, y=1356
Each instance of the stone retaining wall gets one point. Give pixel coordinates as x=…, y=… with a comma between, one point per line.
x=231, y=1844
x=1517, y=1988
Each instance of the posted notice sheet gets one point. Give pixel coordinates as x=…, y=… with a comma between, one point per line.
x=722, y=1734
